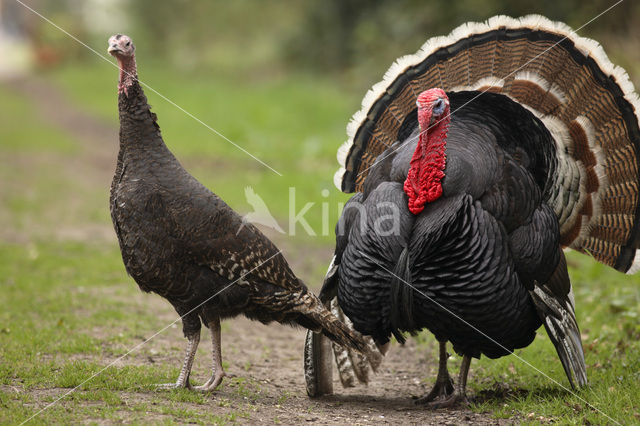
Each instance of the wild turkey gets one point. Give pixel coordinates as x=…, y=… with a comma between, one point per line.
x=181, y=241
x=489, y=150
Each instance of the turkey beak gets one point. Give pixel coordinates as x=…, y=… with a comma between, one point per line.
x=113, y=49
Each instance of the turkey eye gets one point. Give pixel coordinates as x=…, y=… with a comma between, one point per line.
x=128, y=43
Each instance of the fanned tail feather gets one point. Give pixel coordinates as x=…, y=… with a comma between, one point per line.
x=352, y=365
x=560, y=322
x=353, y=362
x=587, y=104
x=318, y=365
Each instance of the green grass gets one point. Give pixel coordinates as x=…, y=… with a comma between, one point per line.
x=40, y=190
x=20, y=135
x=63, y=301
x=293, y=123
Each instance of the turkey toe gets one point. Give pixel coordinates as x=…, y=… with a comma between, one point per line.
x=440, y=392
x=456, y=399
x=212, y=383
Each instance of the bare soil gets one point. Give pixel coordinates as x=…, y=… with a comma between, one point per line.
x=268, y=357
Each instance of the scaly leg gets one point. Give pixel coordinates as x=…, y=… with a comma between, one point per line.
x=459, y=395
x=218, y=373
x=183, y=378
x=443, y=387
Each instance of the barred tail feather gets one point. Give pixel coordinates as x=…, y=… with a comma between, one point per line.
x=315, y=312
x=353, y=352
x=353, y=365
x=561, y=325
x=318, y=367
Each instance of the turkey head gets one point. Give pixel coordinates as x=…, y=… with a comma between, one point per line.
x=428, y=162
x=121, y=47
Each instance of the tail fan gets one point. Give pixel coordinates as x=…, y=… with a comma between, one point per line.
x=588, y=105
x=352, y=365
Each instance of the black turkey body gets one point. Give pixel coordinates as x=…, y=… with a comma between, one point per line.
x=181, y=241
x=475, y=253
x=178, y=239
x=542, y=153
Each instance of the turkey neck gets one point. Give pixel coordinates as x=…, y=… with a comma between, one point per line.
x=140, y=138
x=128, y=72
x=426, y=170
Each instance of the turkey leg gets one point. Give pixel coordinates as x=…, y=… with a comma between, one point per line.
x=443, y=387
x=459, y=395
x=183, y=378
x=218, y=373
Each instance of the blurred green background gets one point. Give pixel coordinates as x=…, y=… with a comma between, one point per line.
x=281, y=79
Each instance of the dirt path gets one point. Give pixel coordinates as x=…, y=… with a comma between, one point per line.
x=268, y=357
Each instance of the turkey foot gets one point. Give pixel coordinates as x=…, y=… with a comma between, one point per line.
x=443, y=387
x=459, y=396
x=177, y=385
x=211, y=384
x=183, y=378
x=456, y=399
x=441, y=391
x=216, y=350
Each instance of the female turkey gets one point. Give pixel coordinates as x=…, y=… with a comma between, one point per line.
x=181, y=241
x=475, y=162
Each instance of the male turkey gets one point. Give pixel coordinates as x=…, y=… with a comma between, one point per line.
x=475, y=162
x=181, y=241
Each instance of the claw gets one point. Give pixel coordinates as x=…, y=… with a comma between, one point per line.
x=211, y=384
x=456, y=399
x=441, y=391
x=444, y=394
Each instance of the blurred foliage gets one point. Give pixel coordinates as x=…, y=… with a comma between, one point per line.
x=346, y=33
x=220, y=34
x=357, y=36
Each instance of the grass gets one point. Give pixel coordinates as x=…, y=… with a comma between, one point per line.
x=19, y=135
x=293, y=124
x=69, y=309
x=62, y=305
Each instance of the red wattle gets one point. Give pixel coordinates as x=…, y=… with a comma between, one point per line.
x=423, y=184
